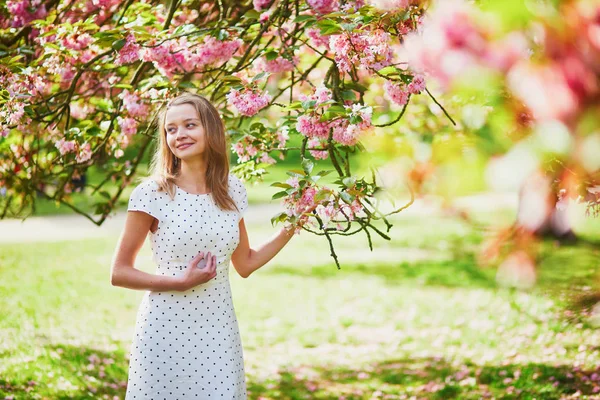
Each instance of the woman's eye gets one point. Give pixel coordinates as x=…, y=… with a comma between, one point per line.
x=191, y=125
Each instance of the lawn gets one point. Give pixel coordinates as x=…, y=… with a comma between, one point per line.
x=415, y=318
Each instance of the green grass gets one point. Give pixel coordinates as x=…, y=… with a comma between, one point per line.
x=416, y=317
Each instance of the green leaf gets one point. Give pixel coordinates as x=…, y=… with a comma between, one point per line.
x=308, y=166
x=349, y=181
x=321, y=195
x=324, y=172
x=346, y=197
x=118, y=44
x=188, y=85
x=260, y=76
x=279, y=217
x=281, y=185
x=231, y=78
x=296, y=172
x=308, y=104
x=271, y=55
x=349, y=95
x=355, y=86
x=302, y=18
x=252, y=14
x=387, y=71
x=279, y=195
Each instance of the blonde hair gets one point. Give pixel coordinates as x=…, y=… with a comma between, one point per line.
x=165, y=167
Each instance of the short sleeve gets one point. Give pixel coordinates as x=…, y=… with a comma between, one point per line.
x=239, y=195
x=143, y=198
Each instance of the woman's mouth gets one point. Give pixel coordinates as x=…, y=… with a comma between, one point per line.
x=184, y=146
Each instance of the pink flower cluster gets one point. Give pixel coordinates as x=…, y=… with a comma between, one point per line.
x=65, y=146
x=393, y=5
x=323, y=6
x=283, y=136
x=261, y=4
x=128, y=128
x=84, y=154
x=178, y=56
x=368, y=50
x=316, y=143
x=245, y=149
x=321, y=95
x=398, y=92
x=447, y=48
x=129, y=53
x=77, y=40
x=132, y=104
x=275, y=66
x=25, y=11
x=316, y=38
x=248, y=102
x=345, y=130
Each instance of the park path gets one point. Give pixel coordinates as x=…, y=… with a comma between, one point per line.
x=74, y=227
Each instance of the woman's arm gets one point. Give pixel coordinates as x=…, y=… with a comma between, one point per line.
x=123, y=273
x=246, y=260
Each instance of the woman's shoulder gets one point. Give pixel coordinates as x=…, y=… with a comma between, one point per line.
x=147, y=184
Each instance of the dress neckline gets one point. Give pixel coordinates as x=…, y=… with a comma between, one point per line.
x=192, y=194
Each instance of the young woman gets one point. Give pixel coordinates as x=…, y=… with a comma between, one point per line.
x=187, y=343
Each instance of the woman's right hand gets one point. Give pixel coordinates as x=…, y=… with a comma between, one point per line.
x=194, y=276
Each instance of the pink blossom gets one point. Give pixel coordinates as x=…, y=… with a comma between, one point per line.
x=248, y=103
x=77, y=41
x=392, y=5
x=129, y=53
x=214, y=51
x=177, y=56
x=395, y=93
x=65, y=147
x=417, y=85
x=293, y=182
x=316, y=38
x=323, y=6
x=320, y=95
x=240, y=151
x=283, y=136
x=544, y=90
x=311, y=127
x=132, y=103
x=128, y=125
x=277, y=65
x=265, y=158
x=367, y=50
x=85, y=153
x=264, y=17
x=326, y=213
x=19, y=11
x=260, y=4
x=318, y=154
x=251, y=150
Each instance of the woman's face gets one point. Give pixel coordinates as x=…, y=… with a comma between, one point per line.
x=185, y=134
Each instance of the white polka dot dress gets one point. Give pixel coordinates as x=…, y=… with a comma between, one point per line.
x=187, y=345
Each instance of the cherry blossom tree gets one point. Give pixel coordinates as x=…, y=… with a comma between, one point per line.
x=82, y=81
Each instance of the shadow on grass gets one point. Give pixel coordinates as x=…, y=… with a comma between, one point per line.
x=431, y=378
x=68, y=372
x=96, y=374
x=72, y=372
